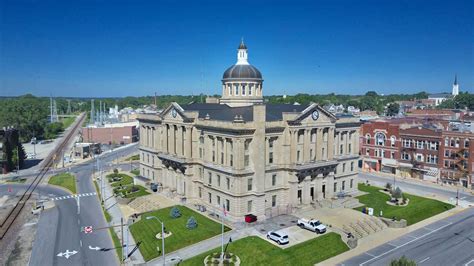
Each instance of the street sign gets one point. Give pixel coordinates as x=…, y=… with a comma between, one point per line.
x=67, y=253
x=88, y=229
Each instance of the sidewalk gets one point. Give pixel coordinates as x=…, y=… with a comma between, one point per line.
x=374, y=240
x=204, y=246
x=112, y=206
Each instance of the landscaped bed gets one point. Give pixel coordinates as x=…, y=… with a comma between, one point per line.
x=253, y=250
x=124, y=187
x=65, y=180
x=146, y=231
x=417, y=209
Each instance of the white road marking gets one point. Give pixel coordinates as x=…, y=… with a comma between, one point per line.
x=411, y=236
x=392, y=245
x=67, y=253
x=369, y=254
x=80, y=242
x=467, y=264
x=425, y=259
x=75, y=196
x=409, y=242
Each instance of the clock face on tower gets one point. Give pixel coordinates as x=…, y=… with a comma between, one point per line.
x=174, y=113
x=315, y=115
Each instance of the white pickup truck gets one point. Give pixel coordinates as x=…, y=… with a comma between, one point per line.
x=312, y=225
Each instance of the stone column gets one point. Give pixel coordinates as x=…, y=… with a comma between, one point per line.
x=319, y=144
x=306, y=196
x=306, y=145
x=293, y=146
x=188, y=146
x=330, y=143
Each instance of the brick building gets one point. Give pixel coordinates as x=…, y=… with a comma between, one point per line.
x=457, y=166
x=380, y=146
x=123, y=133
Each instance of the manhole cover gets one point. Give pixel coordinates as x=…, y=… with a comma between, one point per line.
x=282, y=224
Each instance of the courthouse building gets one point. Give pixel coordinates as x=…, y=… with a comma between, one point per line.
x=249, y=156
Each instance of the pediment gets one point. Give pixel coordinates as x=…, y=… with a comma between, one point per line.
x=314, y=114
x=174, y=112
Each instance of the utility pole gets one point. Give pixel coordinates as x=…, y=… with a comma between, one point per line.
x=457, y=197
x=121, y=231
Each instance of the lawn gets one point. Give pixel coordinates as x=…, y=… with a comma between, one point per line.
x=253, y=250
x=117, y=243
x=125, y=180
x=135, y=157
x=418, y=208
x=135, y=171
x=67, y=121
x=131, y=191
x=146, y=230
x=64, y=180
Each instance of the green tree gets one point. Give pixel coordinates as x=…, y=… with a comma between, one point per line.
x=392, y=109
x=403, y=261
x=397, y=193
x=175, y=213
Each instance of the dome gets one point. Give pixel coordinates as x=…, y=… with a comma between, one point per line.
x=242, y=72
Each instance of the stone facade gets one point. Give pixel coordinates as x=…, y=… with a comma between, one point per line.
x=259, y=159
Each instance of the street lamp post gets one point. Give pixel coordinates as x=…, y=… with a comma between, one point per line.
x=162, y=236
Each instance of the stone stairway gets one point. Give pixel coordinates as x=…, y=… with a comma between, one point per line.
x=365, y=227
x=144, y=204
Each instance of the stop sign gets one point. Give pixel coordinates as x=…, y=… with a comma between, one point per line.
x=88, y=229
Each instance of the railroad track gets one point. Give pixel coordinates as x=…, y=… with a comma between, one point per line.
x=48, y=162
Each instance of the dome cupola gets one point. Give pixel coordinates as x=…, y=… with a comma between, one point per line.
x=242, y=82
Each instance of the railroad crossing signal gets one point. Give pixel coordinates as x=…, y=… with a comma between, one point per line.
x=88, y=229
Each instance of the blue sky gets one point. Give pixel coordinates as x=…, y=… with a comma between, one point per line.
x=119, y=48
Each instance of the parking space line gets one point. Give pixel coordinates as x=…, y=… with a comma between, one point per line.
x=370, y=254
x=391, y=245
x=402, y=245
x=425, y=259
x=467, y=264
x=411, y=236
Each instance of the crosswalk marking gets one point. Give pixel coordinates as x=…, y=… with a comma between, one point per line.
x=74, y=196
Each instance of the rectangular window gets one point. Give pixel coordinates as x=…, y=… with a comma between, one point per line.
x=228, y=183
x=213, y=156
x=218, y=180
x=311, y=154
x=352, y=183
x=335, y=186
x=227, y=205
x=274, y=180
x=218, y=200
x=392, y=155
x=243, y=89
x=222, y=158
x=352, y=166
x=349, y=148
x=274, y=200
x=298, y=156
x=210, y=197
x=270, y=157
x=340, y=149
x=210, y=178
x=200, y=192
x=231, y=160
x=343, y=185
x=249, y=206
x=246, y=160
x=344, y=167
x=249, y=184
x=367, y=152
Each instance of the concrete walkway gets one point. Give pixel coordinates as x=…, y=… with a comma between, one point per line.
x=204, y=246
x=112, y=206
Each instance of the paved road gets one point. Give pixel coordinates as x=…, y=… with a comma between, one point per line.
x=71, y=218
x=419, y=188
x=446, y=242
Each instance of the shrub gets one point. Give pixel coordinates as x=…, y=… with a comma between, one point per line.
x=403, y=261
x=388, y=187
x=115, y=171
x=175, y=213
x=192, y=223
x=397, y=193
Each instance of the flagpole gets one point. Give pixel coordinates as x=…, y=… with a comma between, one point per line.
x=222, y=235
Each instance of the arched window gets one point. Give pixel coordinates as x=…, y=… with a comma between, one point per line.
x=466, y=143
x=446, y=142
x=380, y=139
x=367, y=139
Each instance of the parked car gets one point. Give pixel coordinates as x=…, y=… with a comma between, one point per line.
x=174, y=261
x=312, y=225
x=278, y=236
x=37, y=208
